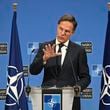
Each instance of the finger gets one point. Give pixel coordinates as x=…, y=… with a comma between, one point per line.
x=55, y=55
x=48, y=47
x=58, y=54
x=53, y=48
x=44, y=51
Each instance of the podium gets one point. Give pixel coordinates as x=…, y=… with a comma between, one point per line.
x=52, y=98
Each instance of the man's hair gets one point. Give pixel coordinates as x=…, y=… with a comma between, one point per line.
x=70, y=18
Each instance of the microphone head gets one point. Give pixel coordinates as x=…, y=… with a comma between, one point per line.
x=35, y=50
x=32, y=50
x=28, y=90
x=77, y=90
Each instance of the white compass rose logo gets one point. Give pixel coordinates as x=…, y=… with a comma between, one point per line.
x=13, y=82
x=105, y=93
x=51, y=103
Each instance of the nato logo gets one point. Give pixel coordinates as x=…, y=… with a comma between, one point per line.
x=12, y=91
x=105, y=93
x=52, y=102
x=97, y=70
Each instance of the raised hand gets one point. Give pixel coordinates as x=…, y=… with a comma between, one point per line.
x=49, y=52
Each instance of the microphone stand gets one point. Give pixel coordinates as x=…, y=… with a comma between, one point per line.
x=77, y=88
x=28, y=88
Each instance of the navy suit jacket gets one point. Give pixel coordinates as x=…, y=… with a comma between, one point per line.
x=74, y=70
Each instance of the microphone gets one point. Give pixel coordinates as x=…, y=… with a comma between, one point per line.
x=77, y=88
x=28, y=88
x=32, y=50
x=74, y=76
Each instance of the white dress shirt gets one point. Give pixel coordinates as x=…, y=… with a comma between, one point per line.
x=63, y=49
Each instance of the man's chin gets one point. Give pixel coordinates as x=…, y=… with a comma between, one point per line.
x=61, y=41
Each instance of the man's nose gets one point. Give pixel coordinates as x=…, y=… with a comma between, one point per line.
x=63, y=32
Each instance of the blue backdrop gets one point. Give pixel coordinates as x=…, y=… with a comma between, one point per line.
x=37, y=21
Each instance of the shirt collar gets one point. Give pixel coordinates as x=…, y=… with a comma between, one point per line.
x=66, y=43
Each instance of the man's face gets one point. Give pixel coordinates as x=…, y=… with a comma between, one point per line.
x=64, y=31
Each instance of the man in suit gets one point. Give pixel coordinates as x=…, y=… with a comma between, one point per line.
x=67, y=67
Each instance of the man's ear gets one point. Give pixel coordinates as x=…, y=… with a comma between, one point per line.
x=73, y=32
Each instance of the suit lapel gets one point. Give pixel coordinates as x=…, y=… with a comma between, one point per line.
x=67, y=59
